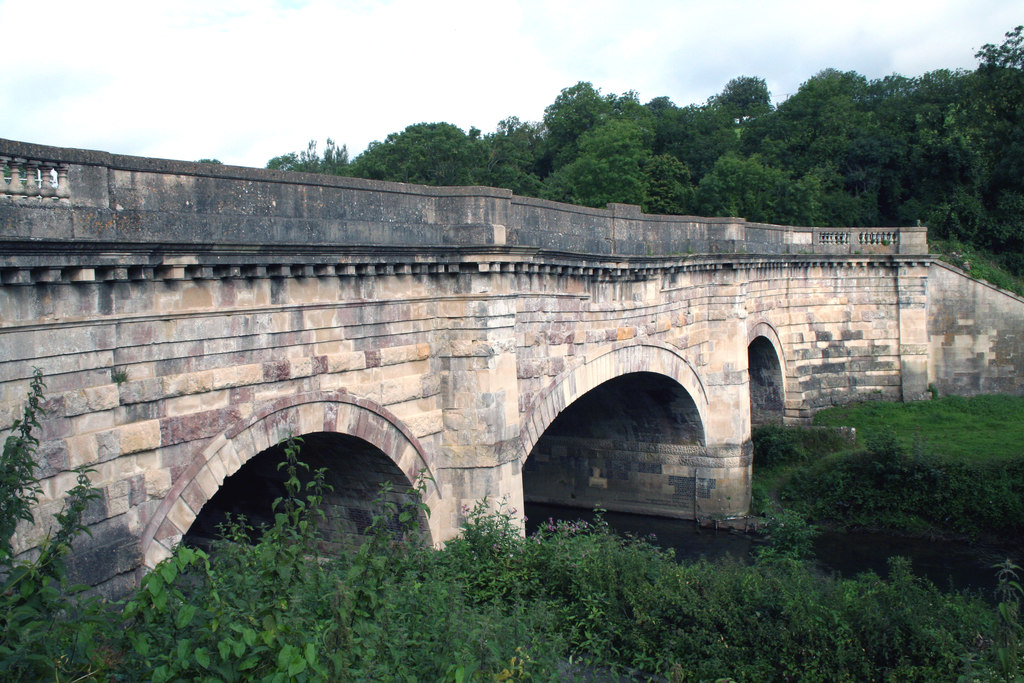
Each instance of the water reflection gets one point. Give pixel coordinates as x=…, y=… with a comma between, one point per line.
x=947, y=564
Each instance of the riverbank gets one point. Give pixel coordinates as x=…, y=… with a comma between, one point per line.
x=949, y=468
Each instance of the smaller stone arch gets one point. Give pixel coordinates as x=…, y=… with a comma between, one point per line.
x=766, y=366
x=338, y=412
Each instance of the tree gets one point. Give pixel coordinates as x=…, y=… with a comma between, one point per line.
x=426, y=153
x=999, y=95
x=575, y=111
x=607, y=169
x=695, y=135
x=514, y=153
x=334, y=161
x=667, y=186
x=743, y=99
x=749, y=188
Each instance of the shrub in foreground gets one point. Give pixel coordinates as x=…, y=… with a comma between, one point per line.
x=574, y=598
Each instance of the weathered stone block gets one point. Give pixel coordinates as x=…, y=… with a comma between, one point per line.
x=90, y=400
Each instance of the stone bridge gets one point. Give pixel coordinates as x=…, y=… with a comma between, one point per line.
x=187, y=317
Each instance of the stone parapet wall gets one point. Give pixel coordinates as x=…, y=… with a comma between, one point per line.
x=106, y=198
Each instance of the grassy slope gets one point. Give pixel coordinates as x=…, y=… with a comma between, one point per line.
x=978, y=429
x=978, y=263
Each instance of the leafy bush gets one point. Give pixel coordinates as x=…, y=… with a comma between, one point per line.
x=775, y=445
x=886, y=487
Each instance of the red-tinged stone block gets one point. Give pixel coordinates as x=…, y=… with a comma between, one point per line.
x=174, y=430
x=275, y=371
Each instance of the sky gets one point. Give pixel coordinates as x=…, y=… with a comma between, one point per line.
x=243, y=81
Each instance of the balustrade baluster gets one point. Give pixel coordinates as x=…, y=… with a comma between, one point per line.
x=46, y=189
x=4, y=168
x=15, y=187
x=31, y=185
x=63, y=189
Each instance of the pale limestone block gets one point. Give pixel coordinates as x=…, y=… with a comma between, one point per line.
x=310, y=418
x=217, y=468
x=369, y=390
x=82, y=450
x=196, y=295
x=408, y=459
x=139, y=436
x=247, y=444
x=200, y=382
x=106, y=471
x=207, y=481
x=230, y=458
x=327, y=345
x=334, y=382
x=401, y=389
x=93, y=422
x=55, y=487
x=145, y=461
x=423, y=424
x=174, y=385
x=158, y=482
x=404, y=354
x=135, y=519
x=301, y=367
x=91, y=400
x=237, y=376
x=117, y=506
x=188, y=383
x=267, y=393
x=278, y=432
x=155, y=554
x=181, y=516
x=118, y=489
x=214, y=445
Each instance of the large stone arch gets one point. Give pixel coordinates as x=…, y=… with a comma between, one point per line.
x=225, y=454
x=623, y=430
x=766, y=365
x=601, y=366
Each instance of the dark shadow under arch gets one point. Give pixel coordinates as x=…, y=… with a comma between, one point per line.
x=354, y=470
x=631, y=444
x=767, y=393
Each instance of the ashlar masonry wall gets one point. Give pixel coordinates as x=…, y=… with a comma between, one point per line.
x=975, y=335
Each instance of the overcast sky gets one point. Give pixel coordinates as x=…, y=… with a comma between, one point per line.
x=247, y=80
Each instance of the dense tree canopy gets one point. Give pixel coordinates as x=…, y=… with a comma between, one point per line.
x=945, y=148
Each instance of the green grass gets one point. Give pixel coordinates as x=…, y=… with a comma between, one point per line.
x=978, y=429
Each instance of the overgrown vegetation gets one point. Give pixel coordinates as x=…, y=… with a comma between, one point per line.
x=493, y=605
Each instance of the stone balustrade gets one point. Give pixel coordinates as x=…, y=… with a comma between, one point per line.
x=33, y=178
x=831, y=237
x=879, y=237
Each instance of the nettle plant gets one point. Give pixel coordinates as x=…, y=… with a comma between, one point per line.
x=49, y=628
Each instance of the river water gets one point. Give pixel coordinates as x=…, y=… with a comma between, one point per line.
x=950, y=565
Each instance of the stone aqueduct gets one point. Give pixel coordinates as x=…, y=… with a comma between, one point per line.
x=187, y=317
